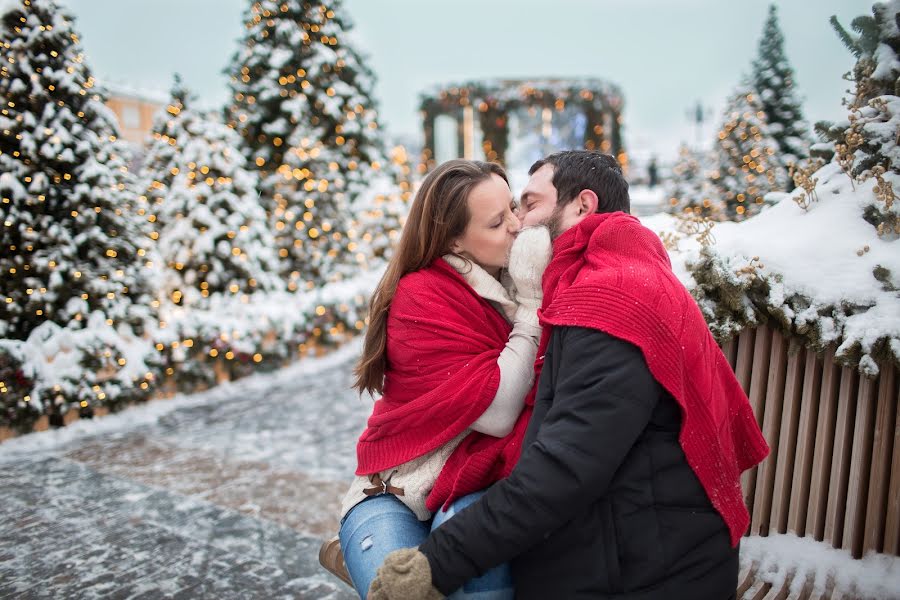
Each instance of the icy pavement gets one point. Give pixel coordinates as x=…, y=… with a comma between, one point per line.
x=223, y=494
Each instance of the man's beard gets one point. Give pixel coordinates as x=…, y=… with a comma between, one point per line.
x=554, y=222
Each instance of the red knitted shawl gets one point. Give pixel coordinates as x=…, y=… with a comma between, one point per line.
x=443, y=341
x=613, y=274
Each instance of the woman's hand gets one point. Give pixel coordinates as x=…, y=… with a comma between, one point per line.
x=530, y=254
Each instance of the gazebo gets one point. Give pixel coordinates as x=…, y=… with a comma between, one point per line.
x=492, y=102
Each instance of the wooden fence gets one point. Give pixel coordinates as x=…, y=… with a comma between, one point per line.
x=834, y=470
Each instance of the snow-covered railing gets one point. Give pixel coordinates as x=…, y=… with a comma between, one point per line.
x=833, y=474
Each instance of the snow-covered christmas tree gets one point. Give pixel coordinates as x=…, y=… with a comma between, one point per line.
x=76, y=298
x=745, y=164
x=866, y=143
x=70, y=245
x=302, y=102
x=161, y=155
x=214, y=237
x=773, y=81
x=380, y=212
x=688, y=189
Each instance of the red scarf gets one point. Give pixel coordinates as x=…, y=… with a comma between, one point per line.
x=612, y=274
x=443, y=341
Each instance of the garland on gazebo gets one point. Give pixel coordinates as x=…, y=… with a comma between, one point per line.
x=495, y=99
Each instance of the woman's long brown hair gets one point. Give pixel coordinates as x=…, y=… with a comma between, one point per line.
x=439, y=214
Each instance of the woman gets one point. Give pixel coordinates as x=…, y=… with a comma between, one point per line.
x=451, y=350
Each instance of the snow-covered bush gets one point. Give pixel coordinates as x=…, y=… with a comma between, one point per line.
x=820, y=273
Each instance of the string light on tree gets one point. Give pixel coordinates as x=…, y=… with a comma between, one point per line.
x=302, y=102
x=214, y=237
x=688, y=190
x=65, y=198
x=745, y=164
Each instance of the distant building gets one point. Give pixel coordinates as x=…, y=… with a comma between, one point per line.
x=516, y=121
x=134, y=110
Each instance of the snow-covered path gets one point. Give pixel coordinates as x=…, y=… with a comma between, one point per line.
x=223, y=494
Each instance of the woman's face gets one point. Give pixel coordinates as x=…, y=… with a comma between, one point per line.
x=492, y=226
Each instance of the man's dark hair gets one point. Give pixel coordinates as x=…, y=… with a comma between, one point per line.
x=576, y=170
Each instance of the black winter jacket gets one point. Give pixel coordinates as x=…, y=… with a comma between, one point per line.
x=602, y=503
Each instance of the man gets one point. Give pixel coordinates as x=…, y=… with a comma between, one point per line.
x=628, y=484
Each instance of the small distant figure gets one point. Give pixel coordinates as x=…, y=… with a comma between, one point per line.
x=653, y=173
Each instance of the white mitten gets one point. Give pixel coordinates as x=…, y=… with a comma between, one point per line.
x=529, y=256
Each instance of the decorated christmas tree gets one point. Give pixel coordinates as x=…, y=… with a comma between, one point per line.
x=380, y=212
x=745, y=164
x=866, y=143
x=70, y=244
x=162, y=152
x=773, y=80
x=688, y=190
x=214, y=238
x=302, y=103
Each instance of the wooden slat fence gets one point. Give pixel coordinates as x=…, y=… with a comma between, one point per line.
x=834, y=469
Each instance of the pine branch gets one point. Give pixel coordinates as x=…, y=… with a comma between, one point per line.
x=824, y=130
x=848, y=40
x=868, y=33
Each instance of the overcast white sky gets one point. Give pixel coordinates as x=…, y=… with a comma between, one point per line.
x=664, y=54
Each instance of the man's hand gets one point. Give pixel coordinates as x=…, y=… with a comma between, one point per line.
x=405, y=575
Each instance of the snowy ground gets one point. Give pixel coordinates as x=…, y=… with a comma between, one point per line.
x=646, y=200
x=224, y=494
x=228, y=494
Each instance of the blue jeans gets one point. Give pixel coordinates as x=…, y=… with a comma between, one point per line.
x=381, y=524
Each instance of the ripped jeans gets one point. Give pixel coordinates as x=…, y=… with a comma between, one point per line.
x=381, y=524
